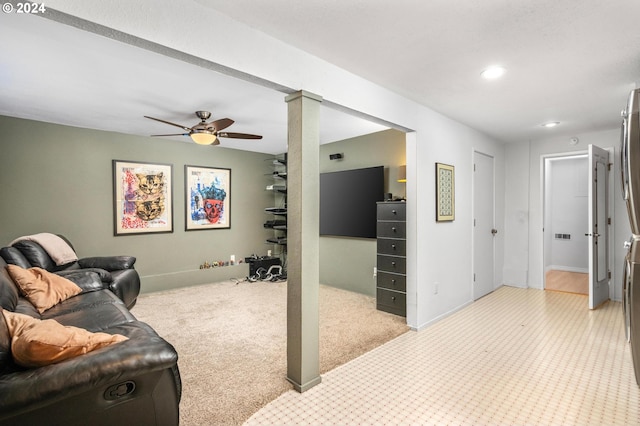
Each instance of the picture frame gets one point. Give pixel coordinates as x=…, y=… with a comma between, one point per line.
x=445, y=193
x=142, y=197
x=207, y=198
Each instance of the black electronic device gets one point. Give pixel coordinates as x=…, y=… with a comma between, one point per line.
x=261, y=262
x=348, y=202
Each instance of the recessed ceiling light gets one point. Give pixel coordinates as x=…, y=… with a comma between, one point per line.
x=551, y=124
x=492, y=73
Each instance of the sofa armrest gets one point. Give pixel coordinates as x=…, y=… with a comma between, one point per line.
x=126, y=285
x=109, y=263
x=82, y=274
x=144, y=352
x=85, y=279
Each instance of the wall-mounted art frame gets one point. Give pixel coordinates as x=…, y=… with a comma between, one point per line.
x=142, y=197
x=445, y=193
x=207, y=198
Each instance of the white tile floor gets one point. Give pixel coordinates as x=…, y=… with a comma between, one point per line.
x=515, y=357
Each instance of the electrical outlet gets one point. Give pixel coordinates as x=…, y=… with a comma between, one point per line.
x=435, y=287
x=375, y=272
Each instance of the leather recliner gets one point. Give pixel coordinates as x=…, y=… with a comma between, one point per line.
x=134, y=382
x=116, y=272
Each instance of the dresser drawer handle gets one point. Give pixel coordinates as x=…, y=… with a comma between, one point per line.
x=393, y=298
x=393, y=246
x=393, y=229
x=393, y=211
x=393, y=281
x=393, y=263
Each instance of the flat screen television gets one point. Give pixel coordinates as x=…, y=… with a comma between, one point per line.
x=348, y=202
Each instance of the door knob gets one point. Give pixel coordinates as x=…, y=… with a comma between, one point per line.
x=494, y=231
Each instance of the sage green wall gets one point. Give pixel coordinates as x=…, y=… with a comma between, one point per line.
x=59, y=179
x=348, y=263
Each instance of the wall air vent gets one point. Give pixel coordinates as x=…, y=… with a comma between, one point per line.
x=562, y=236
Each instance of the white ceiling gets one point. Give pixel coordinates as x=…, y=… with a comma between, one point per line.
x=60, y=74
x=572, y=61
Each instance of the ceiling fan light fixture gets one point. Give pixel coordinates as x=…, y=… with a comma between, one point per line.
x=205, y=133
x=203, y=137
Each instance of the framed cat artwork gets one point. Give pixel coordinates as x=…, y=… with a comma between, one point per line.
x=207, y=198
x=142, y=197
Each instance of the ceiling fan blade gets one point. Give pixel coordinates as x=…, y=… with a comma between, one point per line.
x=170, y=123
x=238, y=135
x=223, y=123
x=174, y=134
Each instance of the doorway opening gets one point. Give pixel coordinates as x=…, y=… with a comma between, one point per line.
x=566, y=208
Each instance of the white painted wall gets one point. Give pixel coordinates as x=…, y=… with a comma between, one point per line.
x=566, y=189
x=441, y=251
x=527, y=179
x=516, y=244
x=444, y=250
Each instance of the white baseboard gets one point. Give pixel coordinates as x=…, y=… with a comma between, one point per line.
x=441, y=317
x=566, y=268
x=516, y=285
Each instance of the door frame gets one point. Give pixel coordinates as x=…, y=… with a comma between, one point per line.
x=610, y=200
x=473, y=215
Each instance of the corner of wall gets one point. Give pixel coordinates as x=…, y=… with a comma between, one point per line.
x=515, y=277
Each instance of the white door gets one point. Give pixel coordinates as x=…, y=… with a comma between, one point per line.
x=598, y=226
x=483, y=225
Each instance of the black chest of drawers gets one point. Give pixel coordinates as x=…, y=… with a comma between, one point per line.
x=391, y=283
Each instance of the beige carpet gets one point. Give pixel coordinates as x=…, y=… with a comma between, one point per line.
x=231, y=341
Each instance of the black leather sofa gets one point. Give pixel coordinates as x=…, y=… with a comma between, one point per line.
x=133, y=382
x=116, y=272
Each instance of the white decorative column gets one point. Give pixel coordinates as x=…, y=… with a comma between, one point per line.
x=303, y=228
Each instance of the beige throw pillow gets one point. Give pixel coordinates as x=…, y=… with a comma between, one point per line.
x=42, y=288
x=36, y=343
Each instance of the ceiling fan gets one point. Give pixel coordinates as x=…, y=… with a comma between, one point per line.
x=205, y=133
